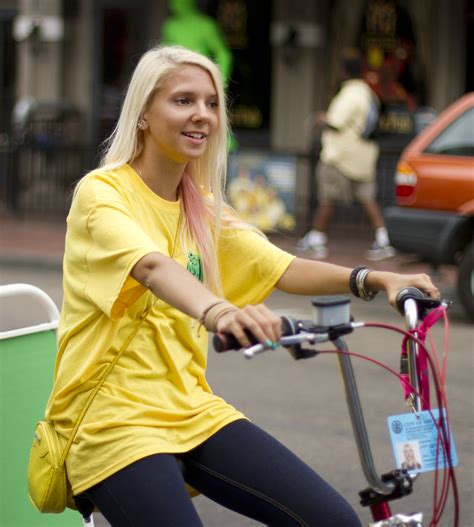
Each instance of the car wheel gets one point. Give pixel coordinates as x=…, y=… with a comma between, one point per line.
x=466, y=280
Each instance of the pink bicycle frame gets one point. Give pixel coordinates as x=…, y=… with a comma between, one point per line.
x=385, y=488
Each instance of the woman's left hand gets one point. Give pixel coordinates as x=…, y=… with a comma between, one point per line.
x=392, y=283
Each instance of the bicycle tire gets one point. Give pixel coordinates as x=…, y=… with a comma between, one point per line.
x=465, y=281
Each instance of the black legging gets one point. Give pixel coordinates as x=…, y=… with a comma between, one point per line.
x=241, y=467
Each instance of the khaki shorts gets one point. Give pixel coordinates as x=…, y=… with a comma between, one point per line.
x=333, y=185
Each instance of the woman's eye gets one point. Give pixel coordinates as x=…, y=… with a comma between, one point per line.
x=182, y=101
x=213, y=104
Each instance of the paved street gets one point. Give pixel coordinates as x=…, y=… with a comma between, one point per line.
x=302, y=403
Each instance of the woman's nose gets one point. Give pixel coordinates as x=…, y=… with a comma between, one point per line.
x=201, y=112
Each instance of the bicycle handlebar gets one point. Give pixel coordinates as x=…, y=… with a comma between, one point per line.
x=423, y=301
x=331, y=322
x=290, y=326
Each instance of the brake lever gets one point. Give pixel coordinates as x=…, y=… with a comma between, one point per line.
x=255, y=350
x=293, y=344
x=427, y=304
x=298, y=352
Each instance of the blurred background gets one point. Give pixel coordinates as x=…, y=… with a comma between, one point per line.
x=65, y=64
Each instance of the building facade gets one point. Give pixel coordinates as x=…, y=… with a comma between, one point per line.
x=285, y=56
x=65, y=64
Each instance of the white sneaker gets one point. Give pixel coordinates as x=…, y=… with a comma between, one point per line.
x=313, y=243
x=319, y=251
x=379, y=252
x=303, y=243
x=312, y=238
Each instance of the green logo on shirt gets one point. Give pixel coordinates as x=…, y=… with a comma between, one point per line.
x=194, y=266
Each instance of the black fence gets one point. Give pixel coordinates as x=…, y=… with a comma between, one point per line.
x=37, y=181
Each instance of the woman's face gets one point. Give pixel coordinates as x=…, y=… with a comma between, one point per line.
x=182, y=115
x=408, y=452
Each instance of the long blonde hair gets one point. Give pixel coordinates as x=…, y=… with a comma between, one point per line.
x=202, y=186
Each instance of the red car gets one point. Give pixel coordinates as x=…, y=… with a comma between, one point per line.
x=434, y=216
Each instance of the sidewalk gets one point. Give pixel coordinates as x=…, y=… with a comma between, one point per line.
x=31, y=243
x=41, y=245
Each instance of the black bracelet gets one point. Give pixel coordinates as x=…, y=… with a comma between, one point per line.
x=353, y=278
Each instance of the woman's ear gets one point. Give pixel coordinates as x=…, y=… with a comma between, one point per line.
x=142, y=122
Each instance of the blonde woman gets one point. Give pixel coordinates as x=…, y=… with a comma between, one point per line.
x=149, y=231
x=410, y=462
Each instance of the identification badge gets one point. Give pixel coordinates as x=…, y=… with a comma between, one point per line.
x=415, y=442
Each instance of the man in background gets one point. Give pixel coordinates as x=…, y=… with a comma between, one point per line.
x=346, y=170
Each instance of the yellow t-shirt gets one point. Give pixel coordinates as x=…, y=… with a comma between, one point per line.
x=156, y=399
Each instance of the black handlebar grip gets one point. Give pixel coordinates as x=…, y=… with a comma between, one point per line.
x=404, y=294
x=226, y=341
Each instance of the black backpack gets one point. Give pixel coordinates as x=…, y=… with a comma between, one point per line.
x=372, y=121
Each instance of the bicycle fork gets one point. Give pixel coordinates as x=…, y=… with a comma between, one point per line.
x=387, y=487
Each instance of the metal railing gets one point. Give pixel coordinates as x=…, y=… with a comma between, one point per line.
x=38, y=181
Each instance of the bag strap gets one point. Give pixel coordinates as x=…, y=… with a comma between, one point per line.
x=100, y=382
x=373, y=100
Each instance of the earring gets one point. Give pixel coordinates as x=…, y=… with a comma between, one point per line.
x=140, y=125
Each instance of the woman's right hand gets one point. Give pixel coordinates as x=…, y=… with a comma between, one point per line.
x=392, y=283
x=258, y=320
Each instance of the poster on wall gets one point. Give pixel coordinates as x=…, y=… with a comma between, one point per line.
x=261, y=188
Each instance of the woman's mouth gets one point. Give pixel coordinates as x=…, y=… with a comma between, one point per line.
x=195, y=135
